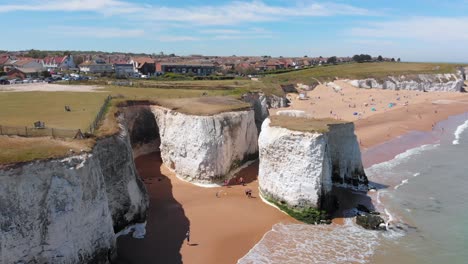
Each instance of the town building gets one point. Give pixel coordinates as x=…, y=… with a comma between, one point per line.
x=96, y=66
x=22, y=73
x=124, y=70
x=144, y=65
x=64, y=63
x=186, y=68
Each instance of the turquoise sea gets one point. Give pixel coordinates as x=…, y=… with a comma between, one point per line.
x=422, y=193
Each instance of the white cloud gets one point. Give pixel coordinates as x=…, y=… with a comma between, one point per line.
x=432, y=29
x=247, y=33
x=232, y=13
x=169, y=38
x=108, y=7
x=96, y=32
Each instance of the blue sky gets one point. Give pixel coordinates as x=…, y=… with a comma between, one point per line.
x=414, y=30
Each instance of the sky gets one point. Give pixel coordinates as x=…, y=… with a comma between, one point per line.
x=413, y=30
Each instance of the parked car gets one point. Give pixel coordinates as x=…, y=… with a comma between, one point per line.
x=4, y=82
x=49, y=80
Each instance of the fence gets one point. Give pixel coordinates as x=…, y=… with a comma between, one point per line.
x=37, y=132
x=94, y=125
x=54, y=132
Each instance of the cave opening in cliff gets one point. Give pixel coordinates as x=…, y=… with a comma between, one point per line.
x=166, y=222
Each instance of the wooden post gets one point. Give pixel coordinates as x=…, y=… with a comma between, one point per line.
x=26, y=130
x=1, y=130
x=53, y=133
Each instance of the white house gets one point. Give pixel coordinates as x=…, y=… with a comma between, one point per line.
x=65, y=62
x=97, y=66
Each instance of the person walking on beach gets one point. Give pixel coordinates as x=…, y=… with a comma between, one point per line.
x=242, y=181
x=187, y=236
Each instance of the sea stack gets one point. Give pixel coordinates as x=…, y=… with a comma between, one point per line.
x=206, y=146
x=302, y=158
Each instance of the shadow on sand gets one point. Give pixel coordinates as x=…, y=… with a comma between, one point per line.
x=166, y=224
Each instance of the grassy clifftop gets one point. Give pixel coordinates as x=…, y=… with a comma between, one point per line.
x=357, y=71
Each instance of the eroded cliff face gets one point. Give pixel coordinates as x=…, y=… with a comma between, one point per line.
x=68, y=210
x=55, y=212
x=345, y=154
x=298, y=169
x=260, y=106
x=420, y=82
x=205, y=149
x=142, y=128
x=294, y=167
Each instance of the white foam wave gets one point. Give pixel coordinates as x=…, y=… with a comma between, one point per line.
x=416, y=174
x=403, y=182
x=460, y=129
x=388, y=165
x=299, y=243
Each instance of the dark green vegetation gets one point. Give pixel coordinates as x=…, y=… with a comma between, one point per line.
x=306, y=215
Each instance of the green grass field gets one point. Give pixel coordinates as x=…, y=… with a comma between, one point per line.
x=23, y=108
x=303, y=124
x=357, y=71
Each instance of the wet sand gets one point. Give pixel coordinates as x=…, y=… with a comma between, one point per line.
x=224, y=229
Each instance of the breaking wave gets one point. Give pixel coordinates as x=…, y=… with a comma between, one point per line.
x=398, y=159
x=299, y=243
x=459, y=131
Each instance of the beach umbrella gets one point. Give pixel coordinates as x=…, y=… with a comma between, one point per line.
x=373, y=109
x=355, y=113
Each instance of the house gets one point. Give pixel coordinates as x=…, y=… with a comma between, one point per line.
x=144, y=65
x=4, y=60
x=22, y=73
x=124, y=70
x=186, y=68
x=64, y=63
x=96, y=66
x=28, y=64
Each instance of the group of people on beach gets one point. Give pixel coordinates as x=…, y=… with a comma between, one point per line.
x=240, y=181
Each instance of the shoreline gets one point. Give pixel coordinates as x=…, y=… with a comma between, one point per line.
x=225, y=229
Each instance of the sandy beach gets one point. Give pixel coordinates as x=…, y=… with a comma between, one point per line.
x=224, y=229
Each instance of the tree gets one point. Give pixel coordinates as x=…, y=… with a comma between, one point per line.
x=357, y=58
x=380, y=58
x=332, y=60
x=78, y=60
x=393, y=59
x=398, y=60
x=362, y=58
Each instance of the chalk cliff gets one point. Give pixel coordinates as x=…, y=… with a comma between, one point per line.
x=205, y=149
x=259, y=104
x=68, y=210
x=420, y=82
x=294, y=166
x=298, y=169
